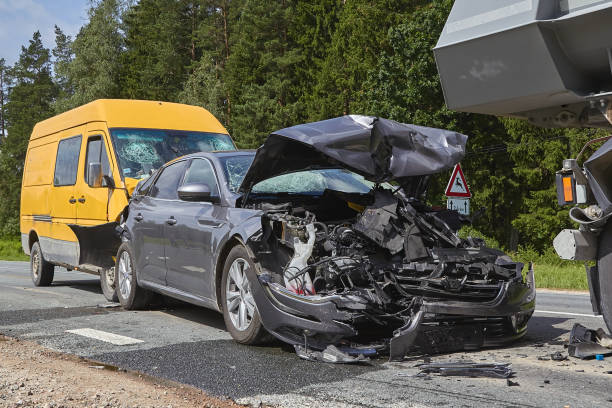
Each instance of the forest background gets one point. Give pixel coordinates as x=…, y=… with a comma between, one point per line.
x=262, y=65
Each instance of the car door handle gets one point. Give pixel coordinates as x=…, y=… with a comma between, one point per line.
x=171, y=221
x=72, y=200
x=139, y=217
x=82, y=200
x=209, y=222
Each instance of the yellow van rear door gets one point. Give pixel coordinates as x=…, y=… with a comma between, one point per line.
x=92, y=205
x=63, y=196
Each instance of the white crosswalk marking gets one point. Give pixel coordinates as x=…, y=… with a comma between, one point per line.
x=105, y=336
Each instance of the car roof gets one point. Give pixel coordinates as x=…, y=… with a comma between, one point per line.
x=220, y=154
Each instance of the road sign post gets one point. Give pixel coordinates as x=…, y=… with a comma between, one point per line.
x=458, y=192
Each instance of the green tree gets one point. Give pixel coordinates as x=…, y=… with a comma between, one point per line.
x=3, y=95
x=204, y=88
x=359, y=37
x=30, y=100
x=160, y=48
x=206, y=85
x=260, y=72
x=95, y=70
x=537, y=154
x=62, y=59
x=312, y=30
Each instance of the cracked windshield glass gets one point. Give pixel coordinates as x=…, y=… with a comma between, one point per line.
x=311, y=181
x=142, y=151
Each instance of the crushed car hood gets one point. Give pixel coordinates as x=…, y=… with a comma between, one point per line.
x=378, y=149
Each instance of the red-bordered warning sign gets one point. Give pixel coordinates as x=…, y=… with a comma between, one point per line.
x=457, y=186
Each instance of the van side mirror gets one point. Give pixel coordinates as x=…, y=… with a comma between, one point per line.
x=94, y=175
x=196, y=192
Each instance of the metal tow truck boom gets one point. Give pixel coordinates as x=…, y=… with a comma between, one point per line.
x=548, y=62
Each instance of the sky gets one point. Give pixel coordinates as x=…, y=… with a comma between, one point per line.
x=19, y=19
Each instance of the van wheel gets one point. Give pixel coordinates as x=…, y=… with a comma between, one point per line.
x=107, y=283
x=130, y=295
x=239, y=310
x=41, y=270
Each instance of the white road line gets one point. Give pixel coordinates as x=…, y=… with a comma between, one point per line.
x=105, y=336
x=567, y=313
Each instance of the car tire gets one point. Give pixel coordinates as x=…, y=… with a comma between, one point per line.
x=130, y=295
x=240, y=313
x=42, y=271
x=604, y=268
x=108, y=279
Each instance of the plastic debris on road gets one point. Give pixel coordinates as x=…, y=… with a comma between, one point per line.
x=586, y=343
x=468, y=369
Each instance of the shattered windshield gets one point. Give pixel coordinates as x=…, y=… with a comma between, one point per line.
x=309, y=181
x=315, y=182
x=141, y=151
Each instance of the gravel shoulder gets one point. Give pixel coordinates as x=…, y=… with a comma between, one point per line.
x=33, y=376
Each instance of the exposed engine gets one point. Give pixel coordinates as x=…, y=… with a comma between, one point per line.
x=383, y=263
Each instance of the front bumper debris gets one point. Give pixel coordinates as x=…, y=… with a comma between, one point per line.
x=436, y=325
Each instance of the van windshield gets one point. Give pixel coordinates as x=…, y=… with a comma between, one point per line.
x=141, y=151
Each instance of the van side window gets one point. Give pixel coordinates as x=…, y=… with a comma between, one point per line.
x=96, y=153
x=67, y=161
x=167, y=183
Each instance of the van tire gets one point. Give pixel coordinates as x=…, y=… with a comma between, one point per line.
x=604, y=268
x=130, y=295
x=42, y=271
x=255, y=333
x=108, y=281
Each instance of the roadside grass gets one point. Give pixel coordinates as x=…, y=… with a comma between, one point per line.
x=572, y=277
x=552, y=272
x=10, y=250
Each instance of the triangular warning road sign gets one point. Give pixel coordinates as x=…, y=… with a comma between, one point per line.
x=457, y=186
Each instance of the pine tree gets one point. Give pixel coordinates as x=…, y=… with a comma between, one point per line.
x=30, y=100
x=359, y=37
x=161, y=48
x=260, y=73
x=3, y=96
x=63, y=57
x=204, y=88
x=206, y=84
x=95, y=70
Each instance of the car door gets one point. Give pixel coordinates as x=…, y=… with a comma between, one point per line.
x=92, y=202
x=148, y=214
x=189, y=235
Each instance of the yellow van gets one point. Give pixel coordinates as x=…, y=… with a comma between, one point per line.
x=81, y=167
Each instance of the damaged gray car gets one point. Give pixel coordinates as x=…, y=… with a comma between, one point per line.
x=322, y=239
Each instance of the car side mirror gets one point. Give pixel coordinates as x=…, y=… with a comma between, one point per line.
x=94, y=175
x=196, y=192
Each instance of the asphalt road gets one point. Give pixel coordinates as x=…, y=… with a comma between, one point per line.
x=190, y=345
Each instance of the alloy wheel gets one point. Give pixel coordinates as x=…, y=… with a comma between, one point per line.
x=239, y=298
x=125, y=275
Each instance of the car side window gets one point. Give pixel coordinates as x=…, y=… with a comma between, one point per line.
x=96, y=153
x=143, y=186
x=67, y=161
x=167, y=183
x=201, y=172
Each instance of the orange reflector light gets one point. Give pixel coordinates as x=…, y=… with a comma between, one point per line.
x=568, y=195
